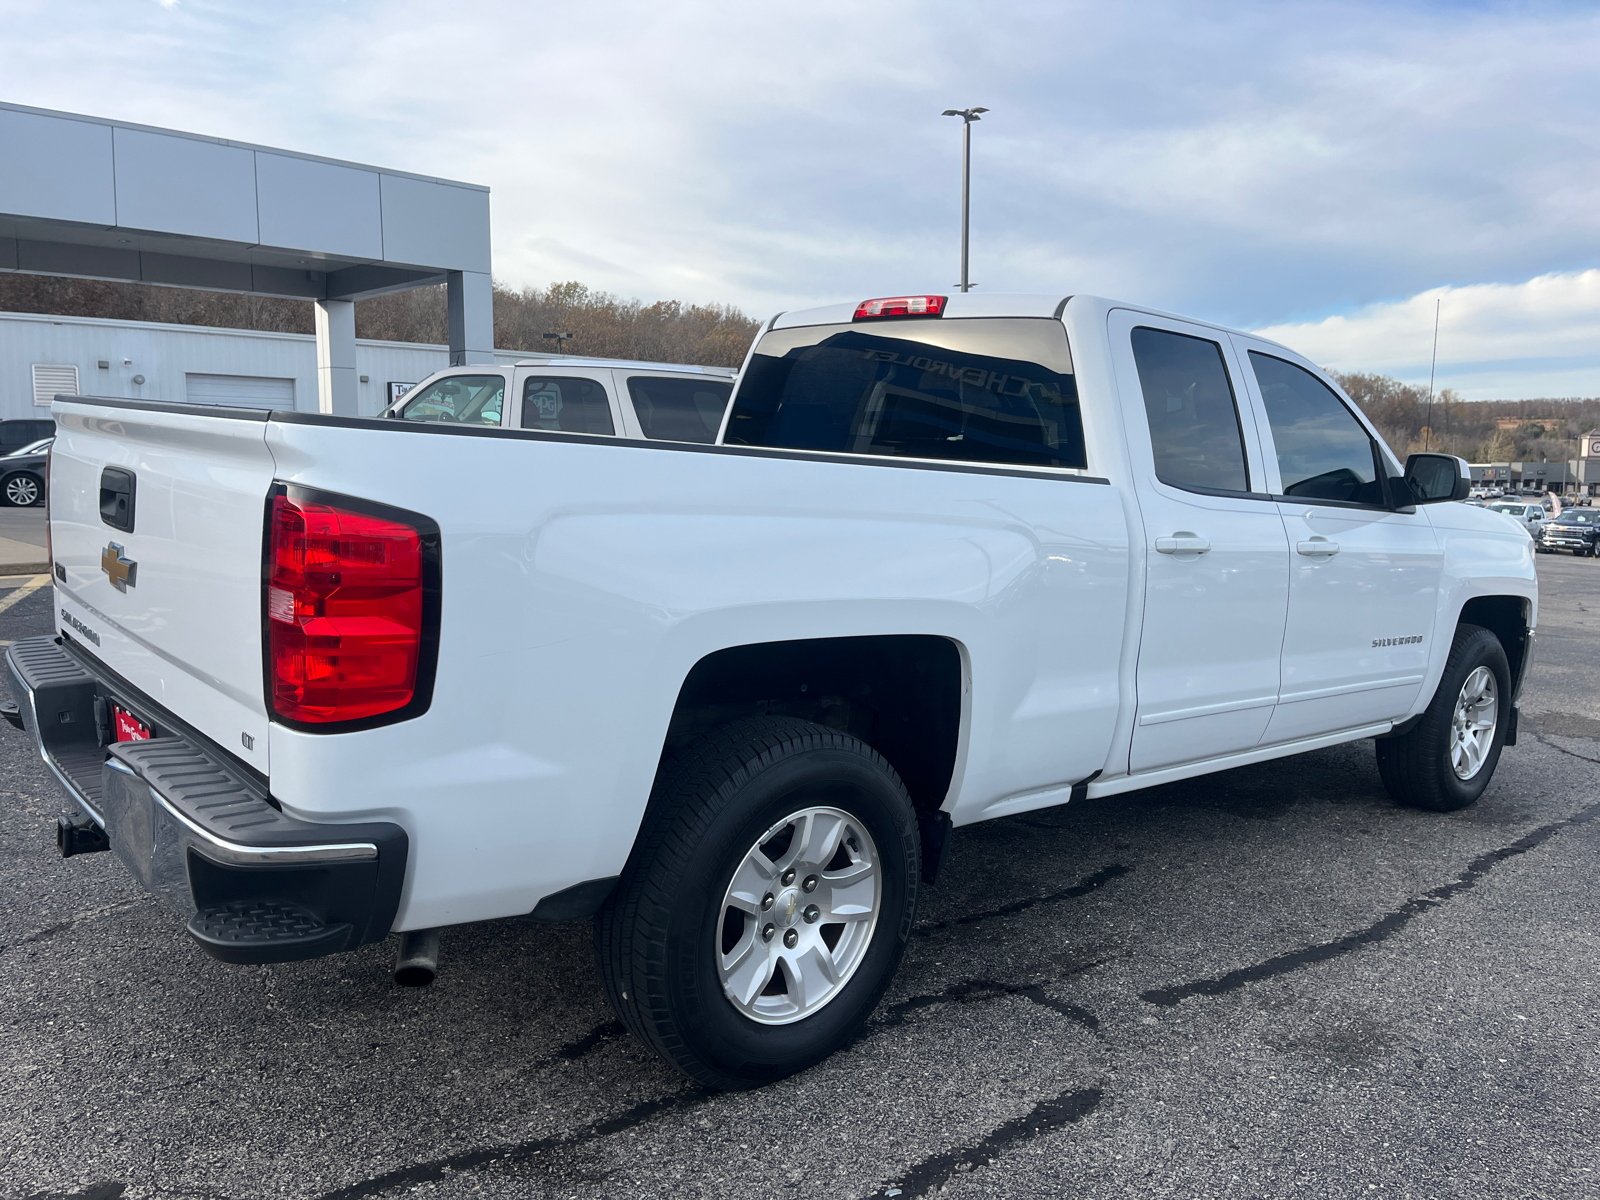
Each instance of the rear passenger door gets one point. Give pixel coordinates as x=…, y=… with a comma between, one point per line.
x=1364, y=586
x=1217, y=561
x=559, y=402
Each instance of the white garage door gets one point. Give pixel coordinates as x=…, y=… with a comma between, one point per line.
x=242, y=391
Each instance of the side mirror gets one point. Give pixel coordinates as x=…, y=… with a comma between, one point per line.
x=1435, y=478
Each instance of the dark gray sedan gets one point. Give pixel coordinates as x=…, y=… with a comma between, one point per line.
x=22, y=475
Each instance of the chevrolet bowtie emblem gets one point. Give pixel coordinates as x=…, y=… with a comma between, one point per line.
x=122, y=572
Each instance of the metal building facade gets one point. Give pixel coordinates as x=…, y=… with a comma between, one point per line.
x=95, y=198
x=191, y=362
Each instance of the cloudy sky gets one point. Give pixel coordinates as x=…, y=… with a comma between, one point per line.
x=1323, y=171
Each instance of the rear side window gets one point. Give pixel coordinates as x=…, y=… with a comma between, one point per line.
x=462, y=399
x=678, y=410
x=1194, y=419
x=566, y=405
x=991, y=391
x=1324, y=453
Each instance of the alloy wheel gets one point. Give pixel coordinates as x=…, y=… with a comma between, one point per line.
x=798, y=915
x=1472, y=727
x=22, y=490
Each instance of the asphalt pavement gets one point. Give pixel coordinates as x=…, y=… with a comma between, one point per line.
x=22, y=540
x=1265, y=983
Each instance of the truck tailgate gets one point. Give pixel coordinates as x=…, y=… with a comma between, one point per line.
x=172, y=605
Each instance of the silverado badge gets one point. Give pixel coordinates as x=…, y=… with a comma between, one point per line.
x=122, y=571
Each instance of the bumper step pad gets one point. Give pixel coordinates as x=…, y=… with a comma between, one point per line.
x=198, y=828
x=256, y=931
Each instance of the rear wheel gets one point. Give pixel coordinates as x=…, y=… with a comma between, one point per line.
x=21, y=490
x=766, y=904
x=1447, y=759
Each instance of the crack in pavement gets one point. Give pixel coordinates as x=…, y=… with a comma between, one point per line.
x=971, y=991
x=49, y=931
x=600, y=1033
x=1099, y=879
x=1047, y=1116
x=1539, y=737
x=109, y=1190
x=519, y=1152
x=1380, y=930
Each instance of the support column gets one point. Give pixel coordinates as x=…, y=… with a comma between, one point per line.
x=471, y=296
x=337, y=392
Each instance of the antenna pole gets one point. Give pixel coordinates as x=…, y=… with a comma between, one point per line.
x=1434, y=366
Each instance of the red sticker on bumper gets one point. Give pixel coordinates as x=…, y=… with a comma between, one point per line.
x=129, y=727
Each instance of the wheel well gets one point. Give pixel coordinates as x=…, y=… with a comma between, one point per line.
x=1505, y=617
x=899, y=693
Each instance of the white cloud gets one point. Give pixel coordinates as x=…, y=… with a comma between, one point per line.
x=1250, y=163
x=1496, y=340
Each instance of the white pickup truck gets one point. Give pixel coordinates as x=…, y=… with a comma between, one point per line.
x=947, y=559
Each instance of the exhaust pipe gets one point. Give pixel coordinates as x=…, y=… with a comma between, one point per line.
x=417, y=964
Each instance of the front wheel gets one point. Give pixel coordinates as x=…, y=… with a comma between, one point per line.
x=21, y=490
x=1447, y=759
x=766, y=904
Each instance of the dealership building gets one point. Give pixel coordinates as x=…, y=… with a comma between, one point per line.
x=93, y=198
x=1578, y=476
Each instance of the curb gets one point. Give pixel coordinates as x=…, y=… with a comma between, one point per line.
x=25, y=568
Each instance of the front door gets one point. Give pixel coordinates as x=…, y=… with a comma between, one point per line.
x=1363, y=592
x=1217, y=561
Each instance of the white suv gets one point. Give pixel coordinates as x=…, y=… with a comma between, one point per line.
x=603, y=397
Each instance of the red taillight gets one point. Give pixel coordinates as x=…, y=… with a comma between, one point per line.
x=901, y=306
x=345, y=612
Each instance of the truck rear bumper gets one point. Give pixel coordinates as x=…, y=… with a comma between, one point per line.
x=199, y=831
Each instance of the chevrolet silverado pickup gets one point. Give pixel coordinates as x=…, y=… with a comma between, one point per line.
x=946, y=559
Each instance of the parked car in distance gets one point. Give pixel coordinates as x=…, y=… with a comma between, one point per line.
x=602, y=397
x=14, y=435
x=22, y=474
x=1572, y=530
x=950, y=559
x=1529, y=516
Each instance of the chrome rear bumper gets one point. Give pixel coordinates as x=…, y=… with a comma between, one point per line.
x=199, y=830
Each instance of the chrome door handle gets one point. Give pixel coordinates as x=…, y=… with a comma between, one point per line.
x=1317, y=547
x=1180, y=542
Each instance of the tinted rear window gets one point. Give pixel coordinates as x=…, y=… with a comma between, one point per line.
x=997, y=391
x=678, y=410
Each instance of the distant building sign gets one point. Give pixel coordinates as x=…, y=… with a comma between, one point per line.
x=396, y=390
x=1589, y=447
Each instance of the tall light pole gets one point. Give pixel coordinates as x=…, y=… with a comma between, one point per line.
x=1427, y=423
x=968, y=116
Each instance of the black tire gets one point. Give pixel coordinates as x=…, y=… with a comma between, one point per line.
x=1416, y=767
x=21, y=480
x=656, y=935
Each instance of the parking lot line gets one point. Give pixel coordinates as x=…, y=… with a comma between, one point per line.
x=23, y=592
